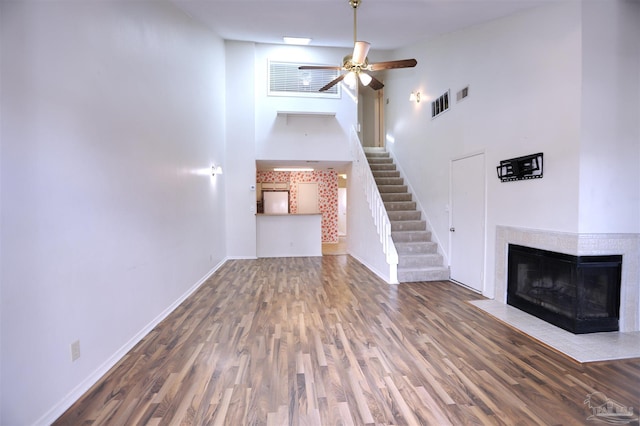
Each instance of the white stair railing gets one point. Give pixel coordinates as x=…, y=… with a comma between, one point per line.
x=362, y=173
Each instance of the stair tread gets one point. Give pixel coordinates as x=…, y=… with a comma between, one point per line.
x=418, y=254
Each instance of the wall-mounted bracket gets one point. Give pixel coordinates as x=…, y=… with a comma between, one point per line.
x=520, y=168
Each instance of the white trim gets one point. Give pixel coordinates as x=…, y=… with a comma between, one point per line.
x=388, y=279
x=58, y=409
x=485, y=212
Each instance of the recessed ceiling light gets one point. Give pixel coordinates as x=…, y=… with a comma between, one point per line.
x=302, y=41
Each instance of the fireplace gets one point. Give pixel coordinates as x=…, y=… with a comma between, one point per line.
x=580, y=294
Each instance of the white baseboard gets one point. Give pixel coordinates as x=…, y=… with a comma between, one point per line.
x=380, y=275
x=57, y=410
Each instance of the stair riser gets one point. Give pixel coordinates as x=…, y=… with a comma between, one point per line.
x=383, y=167
x=419, y=261
x=385, y=173
x=408, y=225
x=389, y=181
x=404, y=215
x=420, y=276
x=411, y=237
x=380, y=160
x=416, y=248
x=376, y=154
x=398, y=189
x=399, y=205
x=392, y=198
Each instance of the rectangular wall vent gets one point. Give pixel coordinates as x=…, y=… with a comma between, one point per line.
x=440, y=105
x=462, y=94
x=285, y=79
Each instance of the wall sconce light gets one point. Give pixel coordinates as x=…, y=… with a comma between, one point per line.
x=216, y=170
x=414, y=97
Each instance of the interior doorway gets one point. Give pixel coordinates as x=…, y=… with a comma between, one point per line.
x=467, y=221
x=371, y=117
x=342, y=212
x=308, y=198
x=340, y=246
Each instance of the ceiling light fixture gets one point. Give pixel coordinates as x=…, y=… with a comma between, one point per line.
x=350, y=79
x=414, y=97
x=299, y=41
x=216, y=170
x=365, y=78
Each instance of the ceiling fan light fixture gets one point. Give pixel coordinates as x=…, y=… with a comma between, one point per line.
x=365, y=78
x=300, y=41
x=350, y=79
x=358, y=62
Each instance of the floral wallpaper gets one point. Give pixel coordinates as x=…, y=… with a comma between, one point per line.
x=327, y=195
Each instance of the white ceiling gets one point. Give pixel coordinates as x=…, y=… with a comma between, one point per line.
x=386, y=24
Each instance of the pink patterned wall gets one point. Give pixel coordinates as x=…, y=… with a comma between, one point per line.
x=327, y=195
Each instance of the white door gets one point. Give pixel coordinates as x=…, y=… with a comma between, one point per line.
x=467, y=239
x=308, y=198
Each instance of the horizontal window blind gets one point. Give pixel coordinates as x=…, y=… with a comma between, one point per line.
x=285, y=79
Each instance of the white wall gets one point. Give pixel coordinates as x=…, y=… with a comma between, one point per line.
x=111, y=118
x=240, y=170
x=524, y=83
x=300, y=138
x=610, y=138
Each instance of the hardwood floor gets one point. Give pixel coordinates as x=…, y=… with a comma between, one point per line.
x=331, y=249
x=323, y=341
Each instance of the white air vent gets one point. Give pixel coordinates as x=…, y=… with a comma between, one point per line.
x=285, y=79
x=440, y=105
x=462, y=94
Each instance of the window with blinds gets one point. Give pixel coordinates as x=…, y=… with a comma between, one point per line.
x=285, y=79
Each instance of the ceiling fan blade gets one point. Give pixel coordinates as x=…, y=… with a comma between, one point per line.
x=332, y=83
x=318, y=67
x=403, y=63
x=360, y=51
x=375, y=84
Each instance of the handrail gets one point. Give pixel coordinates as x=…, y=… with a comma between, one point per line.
x=362, y=171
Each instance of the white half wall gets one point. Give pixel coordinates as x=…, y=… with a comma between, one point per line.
x=363, y=241
x=289, y=235
x=112, y=115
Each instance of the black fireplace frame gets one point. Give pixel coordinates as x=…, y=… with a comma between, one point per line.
x=571, y=318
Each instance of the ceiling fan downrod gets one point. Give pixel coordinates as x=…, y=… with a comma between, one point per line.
x=354, y=4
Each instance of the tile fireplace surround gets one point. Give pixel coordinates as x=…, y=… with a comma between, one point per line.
x=628, y=245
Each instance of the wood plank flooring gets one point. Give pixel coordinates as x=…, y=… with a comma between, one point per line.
x=323, y=341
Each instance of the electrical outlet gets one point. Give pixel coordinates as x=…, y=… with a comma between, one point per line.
x=75, y=350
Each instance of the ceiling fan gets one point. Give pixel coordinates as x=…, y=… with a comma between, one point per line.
x=356, y=65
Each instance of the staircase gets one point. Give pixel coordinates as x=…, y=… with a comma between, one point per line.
x=418, y=257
